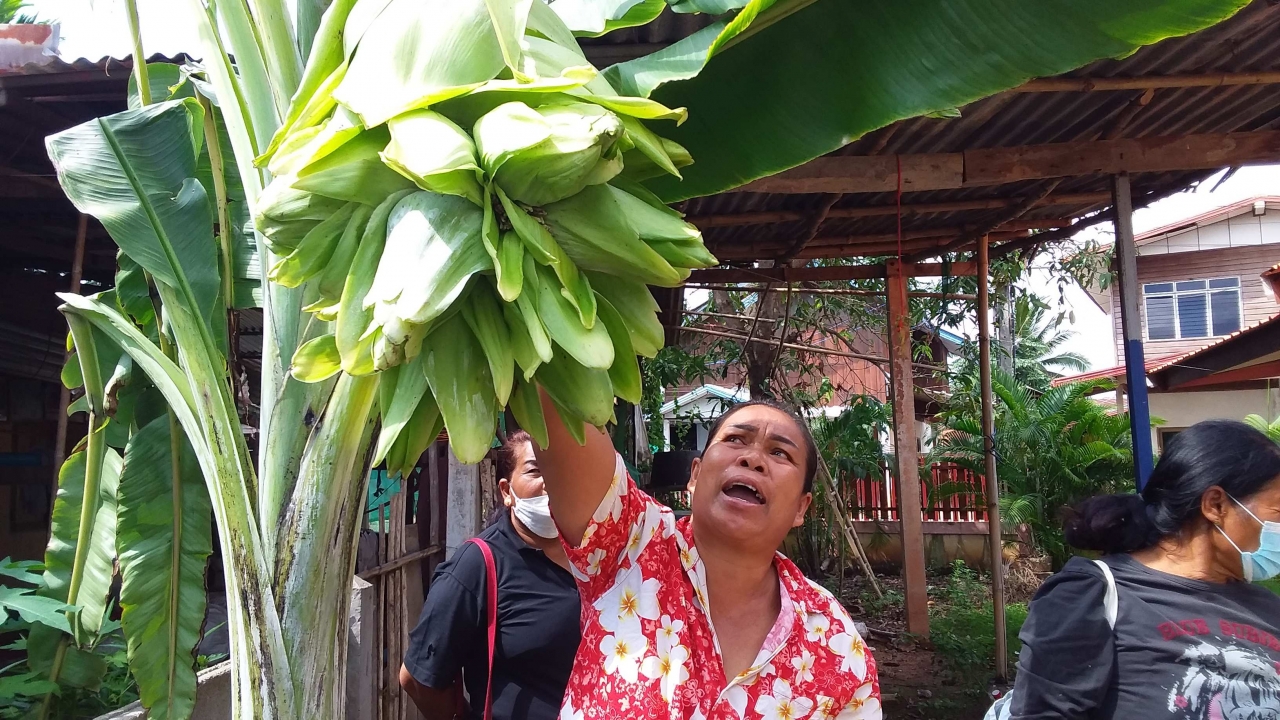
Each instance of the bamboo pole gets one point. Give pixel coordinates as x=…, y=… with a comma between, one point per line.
x=64, y=393
x=989, y=456
x=850, y=533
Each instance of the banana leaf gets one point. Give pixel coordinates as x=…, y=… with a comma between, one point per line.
x=164, y=539
x=852, y=66
x=104, y=165
x=65, y=536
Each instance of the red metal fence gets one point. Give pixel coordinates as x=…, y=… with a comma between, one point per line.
x=949, y=493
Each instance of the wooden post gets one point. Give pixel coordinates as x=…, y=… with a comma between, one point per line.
x=989, y=455
x=464, y=504
x=1135, y=370
x=64, y=394
x=902, y=395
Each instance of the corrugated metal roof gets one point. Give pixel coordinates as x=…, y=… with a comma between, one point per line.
x=1114, y=372
x=1248, y=42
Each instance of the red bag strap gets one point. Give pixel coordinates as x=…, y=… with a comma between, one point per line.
x=491, y=608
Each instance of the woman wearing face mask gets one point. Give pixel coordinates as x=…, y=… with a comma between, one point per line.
x=1188, y=634
x=537, y=618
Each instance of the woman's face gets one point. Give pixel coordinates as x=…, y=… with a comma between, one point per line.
x=525, y=480
x=748, y=487
x=1243, y=529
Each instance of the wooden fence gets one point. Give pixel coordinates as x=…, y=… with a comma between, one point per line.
x=400, y=547
x=949, y=493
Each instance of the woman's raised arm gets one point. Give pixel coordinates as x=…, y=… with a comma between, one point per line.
x=576, y=476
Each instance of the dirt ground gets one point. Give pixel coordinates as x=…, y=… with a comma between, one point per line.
x=915, y=681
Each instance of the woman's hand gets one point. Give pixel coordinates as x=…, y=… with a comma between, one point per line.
x=576, y=476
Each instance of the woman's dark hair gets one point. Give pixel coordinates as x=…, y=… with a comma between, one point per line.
x=1214, y=453
x=810, y=447
x=504, y=460
x=505, y=455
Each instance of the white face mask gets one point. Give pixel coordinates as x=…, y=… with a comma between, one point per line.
x=535, y=514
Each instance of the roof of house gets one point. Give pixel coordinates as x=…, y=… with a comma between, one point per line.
x=1160, y=363
x=1208, y=217
x=715, y=391
x=1112, y=372
x=1184, y=358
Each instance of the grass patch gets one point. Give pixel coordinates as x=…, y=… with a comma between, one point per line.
x=962, y=627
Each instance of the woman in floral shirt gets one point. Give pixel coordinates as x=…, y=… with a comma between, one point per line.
x=703, y=619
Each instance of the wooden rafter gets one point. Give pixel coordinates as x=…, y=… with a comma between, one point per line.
x=996, y=166
x=908, y=210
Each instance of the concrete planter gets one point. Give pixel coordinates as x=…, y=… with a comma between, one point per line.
x=213, y=693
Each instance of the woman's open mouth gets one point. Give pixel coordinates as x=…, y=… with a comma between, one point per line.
x=743, y=492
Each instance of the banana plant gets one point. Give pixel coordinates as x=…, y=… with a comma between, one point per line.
x=175, y=178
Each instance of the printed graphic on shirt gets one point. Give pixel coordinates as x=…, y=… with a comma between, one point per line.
x=1232, y=682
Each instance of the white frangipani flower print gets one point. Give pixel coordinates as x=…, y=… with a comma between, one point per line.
x=622, y=653
x=593, y=562
x=803, y=664
x=816, y=628
x=667, y=667
x=864, y=706
x=633, y=598
x=853, y=657
x=669, y=630
x=781, y=705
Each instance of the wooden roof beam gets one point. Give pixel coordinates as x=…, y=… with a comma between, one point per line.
x=824, y=274
x=1148, y=82
x=996, y=166
x=779, y=216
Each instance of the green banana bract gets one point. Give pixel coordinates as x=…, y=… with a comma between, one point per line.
x=458, y=188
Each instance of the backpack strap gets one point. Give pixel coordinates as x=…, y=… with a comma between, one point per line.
x=491, y=611
x=1110, y=601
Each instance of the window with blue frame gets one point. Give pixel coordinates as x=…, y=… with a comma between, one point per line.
x=1192, y=308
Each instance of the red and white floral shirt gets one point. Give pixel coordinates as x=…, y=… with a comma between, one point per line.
x=649, y=649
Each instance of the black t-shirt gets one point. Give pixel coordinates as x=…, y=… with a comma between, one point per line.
x=1182, y=649
x=537, y=637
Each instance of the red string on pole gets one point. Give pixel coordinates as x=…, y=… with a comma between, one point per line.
x=898, y=158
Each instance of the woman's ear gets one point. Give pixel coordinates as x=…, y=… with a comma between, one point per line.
x=693, y=474
x=508, y=497
x=1214, y=504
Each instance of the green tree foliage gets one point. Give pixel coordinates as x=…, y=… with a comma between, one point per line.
x=1052, y=449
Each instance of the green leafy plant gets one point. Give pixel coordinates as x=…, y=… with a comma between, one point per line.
x=1052, y=450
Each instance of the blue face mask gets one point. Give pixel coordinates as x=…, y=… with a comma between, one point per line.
x=1263, y=563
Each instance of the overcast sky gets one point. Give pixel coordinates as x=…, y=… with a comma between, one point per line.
x=94, y=28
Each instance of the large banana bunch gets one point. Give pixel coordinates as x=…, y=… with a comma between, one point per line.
x=458, y=192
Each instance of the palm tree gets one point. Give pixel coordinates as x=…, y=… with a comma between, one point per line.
x=1053, y=449
x=1038, y=357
